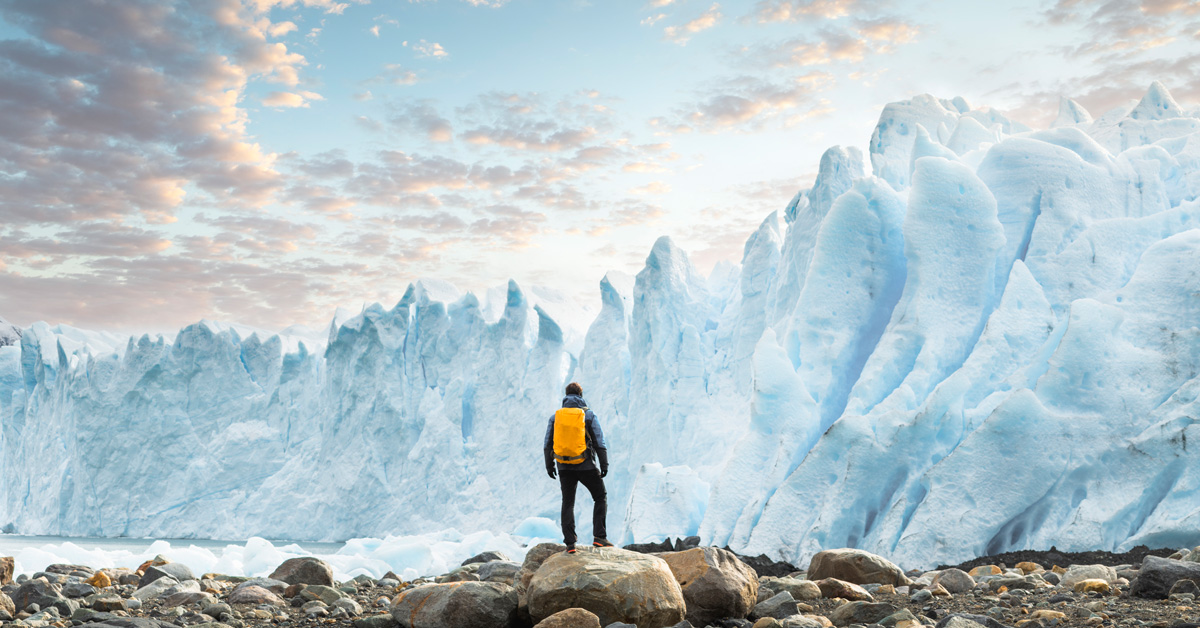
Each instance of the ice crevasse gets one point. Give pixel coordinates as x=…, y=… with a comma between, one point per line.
x=988, y=341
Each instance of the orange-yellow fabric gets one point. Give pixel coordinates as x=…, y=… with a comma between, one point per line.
x=570, y=441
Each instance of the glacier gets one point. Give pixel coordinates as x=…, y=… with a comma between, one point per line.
x=988, y=342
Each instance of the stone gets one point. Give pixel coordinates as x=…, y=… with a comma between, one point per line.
x=304, y=570
x=349, y=605
x=86, y=615
x=778, y=606
x=533, y=561
x=1158, y=575
x=1184, y=587
x=100, y=580
x=375, y=621
x=832, y=587
x=43, y=594
x=7, y=605
x=954, y=580
x=504, y=572
x=860, y=613
x=768, y=622
x=1079, y=573
x=328, y=595
x=456, y=605
x=1092, y=584
x=966, y=620
x=78, y=589
x=1046, y=613
x=7, y=564
x=902, y=618
x=135, y=622
x=216, y=610
x=800, y=589
x=856, y=566
x=184, y=598
x=1010, y=583
x=922, y=596
x=613, y=583
x=255, y=595
x=985, y=570
x=715, y=584
x=278, y=587
x=571, y=618
x=1027, y=567
x=806, y=621
x=486, y=557
x=177, y=571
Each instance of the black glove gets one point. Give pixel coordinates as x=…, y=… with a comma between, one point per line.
x=604, y=472
x=552, y=473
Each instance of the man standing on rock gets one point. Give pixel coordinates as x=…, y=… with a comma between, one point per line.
x=574, y=441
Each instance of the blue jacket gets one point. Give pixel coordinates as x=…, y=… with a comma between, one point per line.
x=592, y=432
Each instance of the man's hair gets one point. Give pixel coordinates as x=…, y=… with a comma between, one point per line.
x=574, y=389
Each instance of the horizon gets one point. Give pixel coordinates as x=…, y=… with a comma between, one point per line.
x=267, y=162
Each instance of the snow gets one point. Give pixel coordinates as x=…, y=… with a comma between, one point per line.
x=988, y=342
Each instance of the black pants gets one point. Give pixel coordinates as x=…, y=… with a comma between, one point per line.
x=590, y=480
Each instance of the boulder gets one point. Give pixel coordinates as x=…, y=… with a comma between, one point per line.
x=105, y=602
x=800, y=589
x=255, y=595
x=7, y=605
x=856, y=566
x=860, y=613
x=832, y=588
x=985, y=570
x=304, y=570
x=1079, y=573
x=184, y=598
x=716, y=585
x=68, y=570
x=504, y=572
x=44, y=595
x=456, y=605
x=571, y=618
x=954, y=580
x=1158, y=575
x=1185, y=586
x=178, y=571
x=278, y=587
x=485, y=557
x=77, y=589
x=967, y=620
x=779, y=606
x=615, y=584
x=7, y=564
x=155, y=590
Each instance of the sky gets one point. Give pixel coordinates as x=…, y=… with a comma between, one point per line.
x=266, y=161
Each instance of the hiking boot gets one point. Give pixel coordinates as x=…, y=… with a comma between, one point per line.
x=571, y=549
x=602, y=543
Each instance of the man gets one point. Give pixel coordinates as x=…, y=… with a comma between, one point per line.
x=573, y=442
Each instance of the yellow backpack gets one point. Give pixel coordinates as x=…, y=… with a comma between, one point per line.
x=570, y=439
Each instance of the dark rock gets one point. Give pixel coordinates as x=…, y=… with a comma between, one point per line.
x=764, y=566
x=715, y=584
x=87, y=615
x=1158, y=575
x=1061, y=597
x=456, y=605
x=485, y=557
x=732, y=623
x=178, y=571
x=78, y=589
x=106, y=602
x=278, y=587
x=68, y=570
x=683, y=624
x=778, y=607
x=1185, y=586
x=375, y=621
x=45, y=596
x=650, y=548
x=983, y=620
x=860, y=613
x=500, y=571
x=304, y=570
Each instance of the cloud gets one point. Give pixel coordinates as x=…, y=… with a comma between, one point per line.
x=653, y=19
x=290, y=99
x=422, y=118
x=748, y=103
x=393, y=74
x=843, y=43
x=430, y=49
x=527, y=122
x=654, y=187
x=374, y=30
x=793, y=10
x=706, y=20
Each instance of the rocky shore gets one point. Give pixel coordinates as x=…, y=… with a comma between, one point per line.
x=666, y=585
